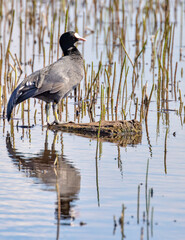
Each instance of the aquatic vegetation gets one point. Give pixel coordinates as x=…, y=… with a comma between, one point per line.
x=133, y=70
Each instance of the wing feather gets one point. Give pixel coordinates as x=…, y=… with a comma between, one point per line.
x=50, y=83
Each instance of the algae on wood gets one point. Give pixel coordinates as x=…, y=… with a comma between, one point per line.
x=122, y=132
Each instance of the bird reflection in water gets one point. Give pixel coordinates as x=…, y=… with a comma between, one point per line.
x=55, y=172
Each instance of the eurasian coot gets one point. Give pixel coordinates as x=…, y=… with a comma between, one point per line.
x=54, y=82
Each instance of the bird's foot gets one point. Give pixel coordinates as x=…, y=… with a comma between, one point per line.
x=56, y=122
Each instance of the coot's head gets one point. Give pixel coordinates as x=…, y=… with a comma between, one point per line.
x=68, y=39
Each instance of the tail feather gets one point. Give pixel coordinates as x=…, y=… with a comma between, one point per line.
x=19, y=95
x=11, y=103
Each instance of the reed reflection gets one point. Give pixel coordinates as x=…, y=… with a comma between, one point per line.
x=52, y=170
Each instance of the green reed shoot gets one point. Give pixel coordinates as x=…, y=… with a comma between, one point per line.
x=10, y=37
x=165, y=151
x=138, y=202
x=66, y=19
x=119, y=87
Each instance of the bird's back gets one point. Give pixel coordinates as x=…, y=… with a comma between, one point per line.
x=57, y=80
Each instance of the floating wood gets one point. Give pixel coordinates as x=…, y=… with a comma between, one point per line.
x=122, y=132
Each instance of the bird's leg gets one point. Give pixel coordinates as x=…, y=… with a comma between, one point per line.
x=47, y=113
x=55, y=113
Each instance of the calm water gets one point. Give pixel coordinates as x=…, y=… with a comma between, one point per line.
x=80, y=197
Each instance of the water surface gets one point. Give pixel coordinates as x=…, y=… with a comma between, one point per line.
x=80, y=195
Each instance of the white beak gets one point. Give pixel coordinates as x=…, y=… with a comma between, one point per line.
x=79, y=38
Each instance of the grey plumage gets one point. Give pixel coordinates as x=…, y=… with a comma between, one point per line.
x=55, y=81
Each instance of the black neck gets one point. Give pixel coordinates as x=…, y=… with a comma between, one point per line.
x=71, y=50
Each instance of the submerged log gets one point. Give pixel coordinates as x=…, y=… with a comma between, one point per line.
x=122, y=132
